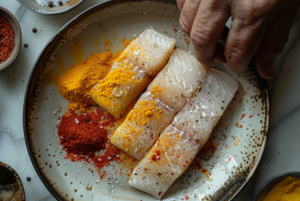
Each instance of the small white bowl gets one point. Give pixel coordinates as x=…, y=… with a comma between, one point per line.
x=18, y=36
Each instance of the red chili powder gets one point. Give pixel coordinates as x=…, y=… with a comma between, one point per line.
x=112, y=153
x=83, y=134
x=208, y=150
x=7, y=36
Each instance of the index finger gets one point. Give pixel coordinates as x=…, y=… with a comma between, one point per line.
x=180, y=4
x=207, y=28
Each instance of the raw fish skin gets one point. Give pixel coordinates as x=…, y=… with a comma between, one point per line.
x=156, y=107
x=132, y=71
x=180, y=142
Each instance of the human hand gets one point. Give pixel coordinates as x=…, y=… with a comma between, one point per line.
x=259, y=27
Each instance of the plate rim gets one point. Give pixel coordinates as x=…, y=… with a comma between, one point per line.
x=29, y=88
x=49, y=13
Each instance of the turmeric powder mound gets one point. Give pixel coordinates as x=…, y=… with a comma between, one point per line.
x=76, y=83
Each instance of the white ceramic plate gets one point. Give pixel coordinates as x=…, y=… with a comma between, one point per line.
x=240, y=135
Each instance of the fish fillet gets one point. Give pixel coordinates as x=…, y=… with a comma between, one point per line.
x=180, y=142
x=156, y=107
x=133, y=71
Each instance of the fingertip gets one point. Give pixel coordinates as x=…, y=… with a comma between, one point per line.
x=265, y=68
x=236, y=62
x=206, y=63
x=183, y=27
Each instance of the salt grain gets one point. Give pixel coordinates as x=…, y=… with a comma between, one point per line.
x=54, y=112
x=76, y=121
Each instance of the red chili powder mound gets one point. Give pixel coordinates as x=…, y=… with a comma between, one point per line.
x=83, y=134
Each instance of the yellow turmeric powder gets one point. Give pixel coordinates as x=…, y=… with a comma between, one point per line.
x=76, y=83
x=128, y=161
x=145, y=111
x=155, y=91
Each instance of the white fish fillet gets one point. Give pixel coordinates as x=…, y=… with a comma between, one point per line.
x=180, y=142
x=133, y=71
x=156, y=108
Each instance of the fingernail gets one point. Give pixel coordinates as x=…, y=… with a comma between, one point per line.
x=271, y=71
x=268, y=62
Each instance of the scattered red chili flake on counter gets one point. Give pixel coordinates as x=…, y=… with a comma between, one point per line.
x=7, y=36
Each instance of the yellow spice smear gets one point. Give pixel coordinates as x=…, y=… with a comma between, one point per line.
x=287, y=190
x=121, y=85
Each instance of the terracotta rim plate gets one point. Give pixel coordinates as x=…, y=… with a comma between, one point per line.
x=237, y=141
x=34, y=6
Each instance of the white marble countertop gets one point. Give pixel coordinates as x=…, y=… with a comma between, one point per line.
x=282, y=149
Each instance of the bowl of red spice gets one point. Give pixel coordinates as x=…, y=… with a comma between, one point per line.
x=10, y=38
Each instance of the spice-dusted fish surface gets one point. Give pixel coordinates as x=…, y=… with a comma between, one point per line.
x=133, y=71
x=156, y=107
x=180, y=142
